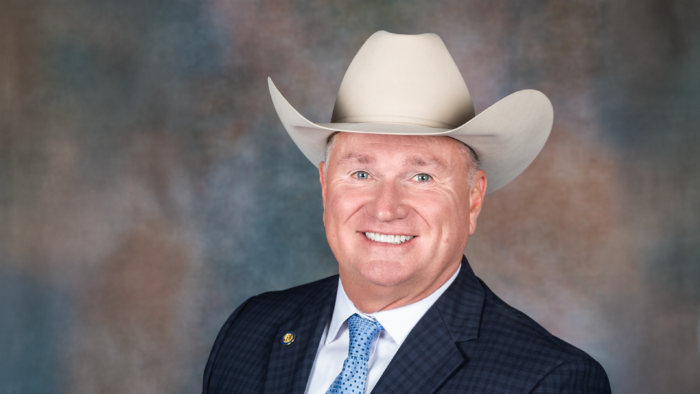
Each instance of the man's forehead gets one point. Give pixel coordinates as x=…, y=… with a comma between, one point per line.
x=414, y=150
x=371, y=157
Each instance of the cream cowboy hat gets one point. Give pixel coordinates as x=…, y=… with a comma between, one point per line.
x=409, y=85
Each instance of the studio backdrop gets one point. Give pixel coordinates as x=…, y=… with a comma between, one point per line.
x=147, y=186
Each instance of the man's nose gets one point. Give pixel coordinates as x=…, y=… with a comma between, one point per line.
x=388, y=203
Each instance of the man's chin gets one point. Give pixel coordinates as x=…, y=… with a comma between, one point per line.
x=385, y=273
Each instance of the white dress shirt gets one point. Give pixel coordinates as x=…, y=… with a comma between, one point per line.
x=335, y=341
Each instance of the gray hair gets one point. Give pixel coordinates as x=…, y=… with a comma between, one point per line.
x=471, y=158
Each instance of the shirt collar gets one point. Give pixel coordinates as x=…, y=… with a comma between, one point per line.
x=398, y=322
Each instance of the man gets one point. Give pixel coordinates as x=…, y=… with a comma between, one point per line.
x=403, y=167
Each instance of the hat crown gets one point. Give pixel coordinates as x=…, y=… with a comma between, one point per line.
x=403, y=79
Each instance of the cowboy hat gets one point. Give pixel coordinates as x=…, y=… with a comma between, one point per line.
x=409, y=85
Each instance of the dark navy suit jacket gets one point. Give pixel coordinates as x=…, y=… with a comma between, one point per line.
x=469, y=341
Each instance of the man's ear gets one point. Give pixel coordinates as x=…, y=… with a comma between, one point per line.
x=476, y=199
x=322, y=179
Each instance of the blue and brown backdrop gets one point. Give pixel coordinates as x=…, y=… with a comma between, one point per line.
x=147, y=186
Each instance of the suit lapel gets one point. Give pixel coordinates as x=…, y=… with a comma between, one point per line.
x=290, y=365
x=429, y=355
x=425, y=359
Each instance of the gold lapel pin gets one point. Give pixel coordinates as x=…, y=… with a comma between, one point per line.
x=288, y=338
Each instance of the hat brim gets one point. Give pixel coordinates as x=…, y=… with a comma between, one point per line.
x=506, y=137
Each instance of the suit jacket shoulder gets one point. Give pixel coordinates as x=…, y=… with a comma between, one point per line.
x=240, y=359
x=501, y=320
x=471, y=341
x=537, y=360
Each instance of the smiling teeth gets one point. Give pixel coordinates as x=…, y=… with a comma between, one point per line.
x=389, y=239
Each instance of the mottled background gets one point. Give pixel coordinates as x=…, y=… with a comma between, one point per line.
x=147, y=186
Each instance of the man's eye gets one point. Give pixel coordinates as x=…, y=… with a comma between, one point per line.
x=362, y=175
x=422, y=177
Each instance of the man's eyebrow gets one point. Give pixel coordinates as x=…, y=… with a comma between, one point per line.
x=422, y=161
x=358, y=157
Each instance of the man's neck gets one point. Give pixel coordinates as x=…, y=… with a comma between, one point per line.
x=370, y=298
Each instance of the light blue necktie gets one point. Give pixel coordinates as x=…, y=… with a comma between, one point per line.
x=353, y=377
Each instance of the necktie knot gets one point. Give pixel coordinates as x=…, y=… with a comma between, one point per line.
x=362, y=333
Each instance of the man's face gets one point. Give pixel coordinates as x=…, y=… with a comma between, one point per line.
x=398, y=209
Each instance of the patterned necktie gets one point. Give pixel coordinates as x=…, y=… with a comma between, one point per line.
x=353, y=377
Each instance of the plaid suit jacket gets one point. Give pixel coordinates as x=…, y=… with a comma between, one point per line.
x=469, y=341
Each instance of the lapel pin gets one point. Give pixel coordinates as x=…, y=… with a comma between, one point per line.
x=288, y=338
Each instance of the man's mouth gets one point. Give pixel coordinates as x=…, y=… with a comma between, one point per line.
x=389, y=239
